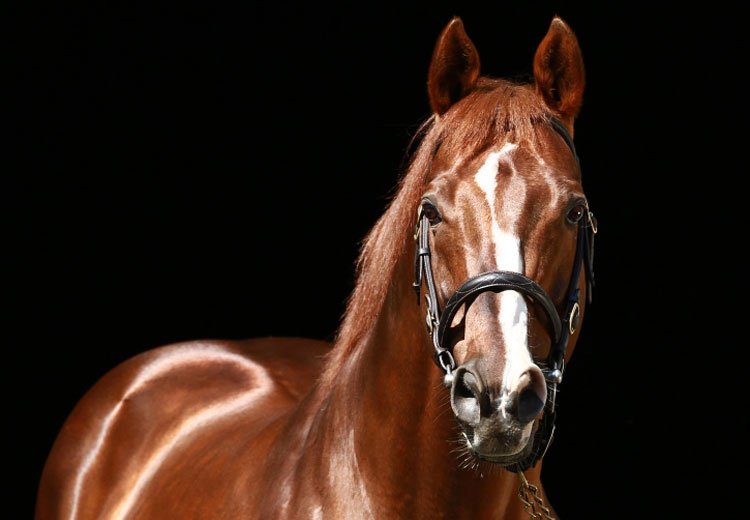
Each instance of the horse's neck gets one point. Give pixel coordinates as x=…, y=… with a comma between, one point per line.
x=393, y=442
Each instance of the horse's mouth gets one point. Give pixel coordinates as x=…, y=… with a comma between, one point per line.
x=502, y=460
x=499, y=449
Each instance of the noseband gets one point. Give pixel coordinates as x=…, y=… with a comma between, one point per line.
x=561, y=326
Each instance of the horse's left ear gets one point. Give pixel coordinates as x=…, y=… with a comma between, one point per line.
x=558, y=71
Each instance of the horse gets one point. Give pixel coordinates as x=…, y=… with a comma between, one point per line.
x=437, y=398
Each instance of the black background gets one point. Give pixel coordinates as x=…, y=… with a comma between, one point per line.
x=208, y=171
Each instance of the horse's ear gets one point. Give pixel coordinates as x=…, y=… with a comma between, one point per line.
x=454, y=68
x=558, y=71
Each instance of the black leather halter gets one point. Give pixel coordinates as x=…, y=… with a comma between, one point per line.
x=561, y=326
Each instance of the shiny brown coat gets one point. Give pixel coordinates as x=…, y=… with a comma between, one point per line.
x=276, y=428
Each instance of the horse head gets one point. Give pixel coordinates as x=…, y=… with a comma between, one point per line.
x=504, y=237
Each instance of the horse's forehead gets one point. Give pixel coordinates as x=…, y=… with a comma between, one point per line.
x=505, y=158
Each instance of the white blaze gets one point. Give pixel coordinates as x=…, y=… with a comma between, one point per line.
x=513, y=312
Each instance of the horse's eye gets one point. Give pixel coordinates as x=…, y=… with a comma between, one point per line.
x=431, y=212
x=576, y=213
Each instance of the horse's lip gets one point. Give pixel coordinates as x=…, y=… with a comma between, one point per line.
x=505, y=460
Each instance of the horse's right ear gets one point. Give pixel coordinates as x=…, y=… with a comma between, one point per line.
x=454, y=68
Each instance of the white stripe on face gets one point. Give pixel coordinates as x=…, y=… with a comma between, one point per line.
x=513, y=312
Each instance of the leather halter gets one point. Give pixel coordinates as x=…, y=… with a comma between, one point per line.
x=561, y=326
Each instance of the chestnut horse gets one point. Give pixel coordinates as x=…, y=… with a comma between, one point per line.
x=490, y=223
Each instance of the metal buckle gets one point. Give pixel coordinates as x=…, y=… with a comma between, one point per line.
x=555, y=376
x=445, y=358
x=592, y=222
x=418, y=225
x=429, y=318
x=573, y=318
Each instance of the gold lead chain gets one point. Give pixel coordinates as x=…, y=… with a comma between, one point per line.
x=532, y=502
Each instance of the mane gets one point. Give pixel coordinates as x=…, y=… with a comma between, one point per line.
x=493, y=109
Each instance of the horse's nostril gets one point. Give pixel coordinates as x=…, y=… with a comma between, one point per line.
x=530, y=396
x=465, y=396
x=529, y=405
x=466, y=386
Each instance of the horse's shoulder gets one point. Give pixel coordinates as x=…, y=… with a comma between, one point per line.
x=168, y=404
x=206, y=366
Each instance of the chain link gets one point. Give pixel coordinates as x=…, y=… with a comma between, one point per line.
x=532, y=501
